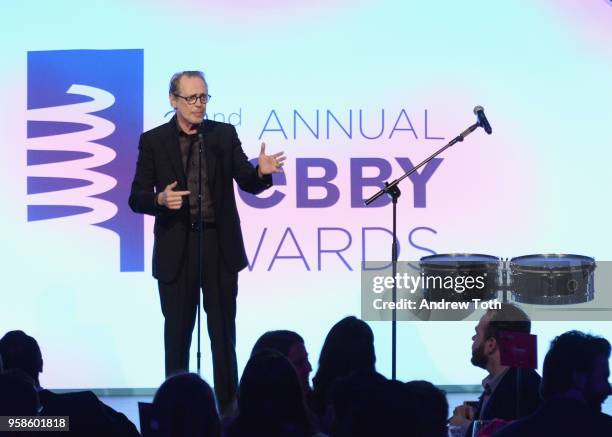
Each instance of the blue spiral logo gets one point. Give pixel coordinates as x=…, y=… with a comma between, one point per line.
x=85, y=112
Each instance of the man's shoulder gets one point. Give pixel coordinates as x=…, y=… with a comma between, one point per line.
x=161, y=130
x=528, y=382
x=82, y=395
x=503, y=400
x=528, y=377
x=208, y=125
x=218, y=126
x=606, y=420
x=80, y=399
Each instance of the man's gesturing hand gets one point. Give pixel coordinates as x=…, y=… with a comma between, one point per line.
x=171, y=199
x=269, y=164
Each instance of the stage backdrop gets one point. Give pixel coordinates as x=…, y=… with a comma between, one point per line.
x=354, y=92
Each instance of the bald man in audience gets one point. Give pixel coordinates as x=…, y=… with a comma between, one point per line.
x=499, y=398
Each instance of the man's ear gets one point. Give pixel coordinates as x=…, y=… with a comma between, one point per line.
x=490, y=345
x=172, y=100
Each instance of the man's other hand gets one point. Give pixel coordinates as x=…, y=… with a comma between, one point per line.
x=171, y=199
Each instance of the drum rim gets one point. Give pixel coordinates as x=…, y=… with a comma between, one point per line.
x=555, y=299
x=585, y=261
x=452, y=266
x=494, y=259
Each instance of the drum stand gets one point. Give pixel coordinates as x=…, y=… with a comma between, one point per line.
x=504, y=286
x=392, y=190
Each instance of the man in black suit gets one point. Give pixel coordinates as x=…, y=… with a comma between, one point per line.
x=166, y=185
x=574, y=386
x=499, y=399
x=87, y=414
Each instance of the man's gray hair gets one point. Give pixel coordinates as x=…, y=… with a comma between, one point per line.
x=176, y=77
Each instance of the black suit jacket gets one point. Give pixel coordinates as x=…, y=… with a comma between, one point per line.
x=502, y=403
x=87, y=414
x=159, y=164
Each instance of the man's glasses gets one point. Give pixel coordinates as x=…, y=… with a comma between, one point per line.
x=203, y=98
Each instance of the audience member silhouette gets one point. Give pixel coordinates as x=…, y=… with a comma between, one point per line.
x=270, y=399
x=184, y=406
x=18, y=395
x=88, y=415
x=350, y=397
x=348, y=348
x=379, y=409
x=574, y=386
x=291, y=345
x=367, y=404
x=428, y=412
x=360, y=403
x=499, y=399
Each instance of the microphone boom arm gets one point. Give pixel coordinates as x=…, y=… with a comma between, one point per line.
x=389, y=186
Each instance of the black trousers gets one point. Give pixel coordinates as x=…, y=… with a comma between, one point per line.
x=179, y=301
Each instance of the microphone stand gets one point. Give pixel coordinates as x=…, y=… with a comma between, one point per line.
x=200, y=240
x=393, y=191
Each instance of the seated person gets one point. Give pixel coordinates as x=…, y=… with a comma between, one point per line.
x=499, y=399
x=88, y=415
x=574, y=386
x=184, y=405
x=270, y=400
x=18, y=396
x=367, y=404
x=347, y=349
x=291, y=345
x=429, y=410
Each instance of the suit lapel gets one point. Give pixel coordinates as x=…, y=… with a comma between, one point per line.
x=479, y=411
x=211, y=154
x=505, y=390
x=171, y=143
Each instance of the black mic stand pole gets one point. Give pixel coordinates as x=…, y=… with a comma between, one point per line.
x=200, y=224
x=393, y=191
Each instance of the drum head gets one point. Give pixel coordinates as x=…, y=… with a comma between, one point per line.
x=555, y=261
x=459, y=260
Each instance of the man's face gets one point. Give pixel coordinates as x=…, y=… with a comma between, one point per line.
x=480, y=344
x=299, y=358
x=597, y=387
x=186, y=113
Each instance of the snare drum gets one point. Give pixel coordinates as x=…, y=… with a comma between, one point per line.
x=553, y=279
x=438, y=271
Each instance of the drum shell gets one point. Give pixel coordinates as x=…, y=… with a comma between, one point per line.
x=460, y=265
x=535, y=279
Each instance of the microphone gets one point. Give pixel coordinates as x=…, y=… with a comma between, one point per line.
x=200, y=140
x=199, y=128
x=482, y=119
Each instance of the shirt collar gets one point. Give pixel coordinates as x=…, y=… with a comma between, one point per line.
x=491, y=382
x=181, y=132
